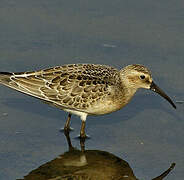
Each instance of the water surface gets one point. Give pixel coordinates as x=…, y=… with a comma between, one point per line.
x=148, y=133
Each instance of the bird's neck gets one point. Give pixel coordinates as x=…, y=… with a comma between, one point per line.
x=127, y=93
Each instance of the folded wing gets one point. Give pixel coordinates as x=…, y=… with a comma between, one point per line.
x=72, y=86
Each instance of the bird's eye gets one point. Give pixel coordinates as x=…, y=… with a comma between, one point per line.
x=142, y=76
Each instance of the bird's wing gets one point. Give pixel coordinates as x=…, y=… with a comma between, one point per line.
x=75, y=86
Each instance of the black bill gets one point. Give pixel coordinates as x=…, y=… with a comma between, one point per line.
x=156, y=89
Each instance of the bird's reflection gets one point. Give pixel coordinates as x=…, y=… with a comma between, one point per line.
x=86, y=165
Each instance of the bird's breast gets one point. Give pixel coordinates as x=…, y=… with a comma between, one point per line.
x=117, y=100
x=107, y=105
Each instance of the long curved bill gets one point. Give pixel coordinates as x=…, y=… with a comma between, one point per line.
x=156, y=89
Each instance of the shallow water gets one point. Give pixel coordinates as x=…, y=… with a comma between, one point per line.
x=148, y=133
x=87, y=164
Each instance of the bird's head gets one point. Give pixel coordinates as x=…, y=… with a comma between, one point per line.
x=138, y=76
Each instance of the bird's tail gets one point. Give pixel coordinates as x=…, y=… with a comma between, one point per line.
x=5, y=78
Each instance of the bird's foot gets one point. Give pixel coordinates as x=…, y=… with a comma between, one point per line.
x=66, y=129
x=83, y=136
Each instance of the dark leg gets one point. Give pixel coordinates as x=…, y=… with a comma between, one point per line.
x=82, y=144
x=82, y=131
x=67, y=124
x=67, y=135
x=83, y=135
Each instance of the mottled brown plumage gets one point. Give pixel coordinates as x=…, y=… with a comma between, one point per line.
x=83, y=89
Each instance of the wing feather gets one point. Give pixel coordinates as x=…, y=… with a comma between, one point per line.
x=75, y=86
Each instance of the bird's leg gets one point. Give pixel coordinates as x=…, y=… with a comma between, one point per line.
x=67, y=135
x=67, y=124
x=82, y=130
x=82, y=144
x=82, y=136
